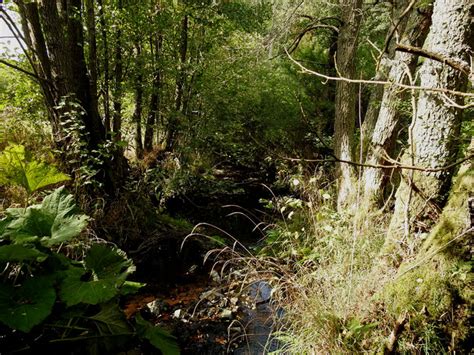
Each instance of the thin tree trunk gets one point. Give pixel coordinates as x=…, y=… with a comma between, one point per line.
x=154, y=109
x=91, y=34
x=137, y=114
x=105, y=66
x=345, y=109
x=118, y=76
x=174, y=119
x=385, y=131
x=435, y=128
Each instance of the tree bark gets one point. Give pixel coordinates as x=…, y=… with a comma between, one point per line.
x=118, y=77
x=137, y=114
x=55, y=36
x=105, y=66
x=180, y=80
x=345, y=109
x=435, y=128
x=92, y=41
x=370, y=118
x=387, y=124
x=154, y=109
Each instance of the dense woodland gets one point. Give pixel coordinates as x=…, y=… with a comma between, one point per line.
x=237, y=176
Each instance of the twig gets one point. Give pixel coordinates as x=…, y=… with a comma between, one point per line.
x=13, y=66
x=379, y=166
x=378, y=82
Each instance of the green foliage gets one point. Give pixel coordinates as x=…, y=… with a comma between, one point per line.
x=41, y=277
x=52, y=222
x=157, y=337
x=26, y=306
x=104, y=272
x=18, y=168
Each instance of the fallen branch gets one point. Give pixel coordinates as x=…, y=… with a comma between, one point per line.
x=395, y=334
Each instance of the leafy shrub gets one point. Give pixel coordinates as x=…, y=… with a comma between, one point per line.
x=44, y=286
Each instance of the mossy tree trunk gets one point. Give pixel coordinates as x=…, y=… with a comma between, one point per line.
x=434, y=131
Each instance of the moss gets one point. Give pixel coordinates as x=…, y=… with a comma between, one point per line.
x=419, y=289
x=435, y=288
x=455, y=217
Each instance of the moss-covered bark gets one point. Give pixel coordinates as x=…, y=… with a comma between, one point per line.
x=436, y=287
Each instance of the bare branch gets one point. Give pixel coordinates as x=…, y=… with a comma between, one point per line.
x=13, y=66
x=395, y=165
x=379, y=82
x=462, y=67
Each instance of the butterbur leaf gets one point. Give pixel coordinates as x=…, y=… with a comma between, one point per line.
x=111, y=321
x=39, y=175
x=130, y=287
x=106, y=269
x=78, y=288
x=28, y=305
x=157, y=336
x=17, y=168
x=107, y=262
x=55, y=221
x=20, y=253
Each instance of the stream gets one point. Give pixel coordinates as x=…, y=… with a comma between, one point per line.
x=208, y=313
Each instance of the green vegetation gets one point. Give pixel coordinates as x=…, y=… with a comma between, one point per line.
x=322, y=147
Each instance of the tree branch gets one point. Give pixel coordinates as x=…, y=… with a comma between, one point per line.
x=462, y=67
x=380, y=82
x=13, y=66
x=395, y=165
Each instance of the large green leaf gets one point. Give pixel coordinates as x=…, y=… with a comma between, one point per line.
x=19, y=253
x=28, y=305
x=112, y=328
x=111, y=321
x=54, y=221
x=107, y=262
x=17, y=168
x=158, y=337
x=77, y=287
x=106, y=269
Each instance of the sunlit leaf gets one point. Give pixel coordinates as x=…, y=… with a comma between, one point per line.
x=16, y=168
x=54, y=221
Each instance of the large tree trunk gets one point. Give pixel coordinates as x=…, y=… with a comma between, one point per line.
x=387, y=124
x=435, y=128
x=398, y=25
x=345, y=110
x=54, y=33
